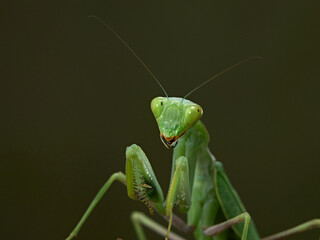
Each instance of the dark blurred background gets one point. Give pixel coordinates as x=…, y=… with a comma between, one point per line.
x=73, y=97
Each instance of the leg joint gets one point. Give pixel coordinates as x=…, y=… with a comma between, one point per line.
x=136, y=216
x=246, y=216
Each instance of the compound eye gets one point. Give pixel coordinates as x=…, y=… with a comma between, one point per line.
x=157, y=105
x=193, y=114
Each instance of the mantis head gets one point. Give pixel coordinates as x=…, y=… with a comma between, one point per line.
x=174, y=117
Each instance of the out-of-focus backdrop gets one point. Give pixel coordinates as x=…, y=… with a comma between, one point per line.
x=73, y=97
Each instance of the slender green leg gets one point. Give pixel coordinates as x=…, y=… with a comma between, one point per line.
x=315, y=223
x=216, y=229
x=139, y=219
x=119, y=176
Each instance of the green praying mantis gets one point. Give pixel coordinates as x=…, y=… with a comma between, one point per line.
x=199, y=186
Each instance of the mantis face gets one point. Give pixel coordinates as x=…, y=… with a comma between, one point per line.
x=174, y=117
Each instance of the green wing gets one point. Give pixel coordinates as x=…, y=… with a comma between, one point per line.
x=230, y=202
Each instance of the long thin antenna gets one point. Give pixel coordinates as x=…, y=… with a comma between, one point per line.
x=222, y=72
x=143, y=64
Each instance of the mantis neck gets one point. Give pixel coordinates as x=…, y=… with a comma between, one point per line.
x=194, y=146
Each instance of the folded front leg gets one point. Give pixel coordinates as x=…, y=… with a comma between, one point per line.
x=179, y=190
x=142, y=183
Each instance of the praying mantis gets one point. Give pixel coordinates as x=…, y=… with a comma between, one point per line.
x=199, y=186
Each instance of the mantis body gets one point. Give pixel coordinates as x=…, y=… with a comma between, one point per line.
x=199, y=185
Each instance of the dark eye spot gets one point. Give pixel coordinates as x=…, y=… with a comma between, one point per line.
x=161, y=103
x=198, y=110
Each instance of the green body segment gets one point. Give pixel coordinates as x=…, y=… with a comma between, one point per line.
x=228, y=197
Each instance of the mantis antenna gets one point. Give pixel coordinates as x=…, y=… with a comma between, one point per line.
x=137, y=57
x=222, y=72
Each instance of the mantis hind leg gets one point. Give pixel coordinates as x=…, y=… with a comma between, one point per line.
x=315, y=223
x=218, y=228
x=119, y=176
x=139, y=219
